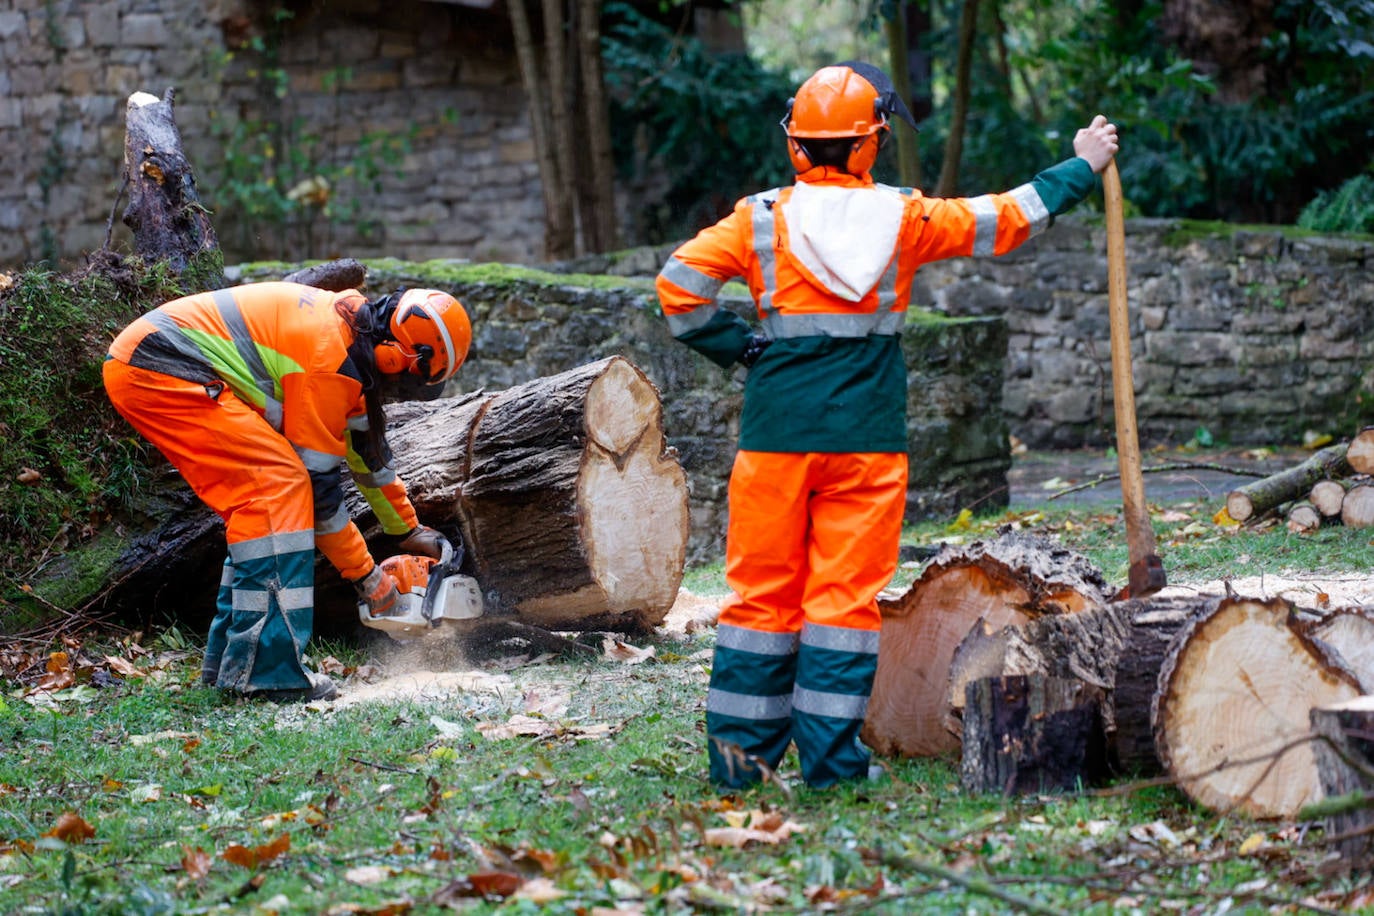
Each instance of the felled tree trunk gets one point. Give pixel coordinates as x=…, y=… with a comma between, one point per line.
x=335, y=276
x=1326, y=497
x=1360, y=452
x=164, y=211
x=1032, y=733
x=1255, y=499
x=1350, y=631
x=1344, y=750
x=573, y=509
x=1357, y=509
x=1231, y=714
x=1118, y=647
x=569, y=500
x=1009, y=580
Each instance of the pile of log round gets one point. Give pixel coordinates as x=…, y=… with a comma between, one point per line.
x=1335, y=486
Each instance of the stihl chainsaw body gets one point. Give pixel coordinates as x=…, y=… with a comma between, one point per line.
x=431, y=592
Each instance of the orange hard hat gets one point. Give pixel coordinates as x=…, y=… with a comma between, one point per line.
x=430, y=335
x=847, y=100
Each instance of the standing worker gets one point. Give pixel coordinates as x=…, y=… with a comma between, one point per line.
x=818, y=488
x=258, y=394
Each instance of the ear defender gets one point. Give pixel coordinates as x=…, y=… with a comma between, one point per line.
x=391, y=359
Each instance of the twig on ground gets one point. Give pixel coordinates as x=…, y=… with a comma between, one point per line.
x=1175, y=466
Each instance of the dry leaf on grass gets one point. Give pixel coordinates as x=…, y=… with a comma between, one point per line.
x=762, y=827
x=71, y=828
x=619, y=651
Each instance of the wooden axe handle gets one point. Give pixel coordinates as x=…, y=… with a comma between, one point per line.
x=1146, y=571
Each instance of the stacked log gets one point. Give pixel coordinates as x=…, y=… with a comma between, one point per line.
x=1335, y=486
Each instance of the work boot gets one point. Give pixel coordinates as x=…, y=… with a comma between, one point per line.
x=322, y=687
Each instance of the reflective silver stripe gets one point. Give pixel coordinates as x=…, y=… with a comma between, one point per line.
x=226, y=577
x=335, y=523
x=359, y=423
x=1031, y=205
x=288, y=599
x=177, y=338
x=831, y=325
x=985, y=228
x=845, y=639
x=690, y=321
x=887, y=290
x=759, y=642
x=762, y=221
x=315, y=460
x=835, y=705
x=376, y=479
x=272, y=545
x=690, y=279
x=247, y=349
x=744, y=706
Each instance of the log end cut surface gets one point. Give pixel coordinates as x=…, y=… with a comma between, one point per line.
x=1233, y=706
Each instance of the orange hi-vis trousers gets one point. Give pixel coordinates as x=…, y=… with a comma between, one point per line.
x=251, y=476
x=813, y=537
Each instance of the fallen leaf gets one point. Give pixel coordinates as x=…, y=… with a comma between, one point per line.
x=122, y=666
x=195, y=862
x=71, y=828
x=1253, y=843
x=367, y=874
x=619, y=651
x=29, y=476
x=770, y=828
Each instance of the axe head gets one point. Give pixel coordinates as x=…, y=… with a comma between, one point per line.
x=1146, y=576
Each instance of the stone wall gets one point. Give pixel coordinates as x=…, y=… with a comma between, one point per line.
x=1252, y=334
x=528, y=324
x=439, y=79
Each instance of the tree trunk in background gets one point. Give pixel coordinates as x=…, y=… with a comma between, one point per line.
x=1226, y=39
x=559, y=241
x=165, y=213
x=954, y=146
x=599, y=216
x=908, y=141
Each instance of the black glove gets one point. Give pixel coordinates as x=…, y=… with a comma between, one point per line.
x=753, y=349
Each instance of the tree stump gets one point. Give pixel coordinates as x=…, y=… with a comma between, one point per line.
x=1344, y=751
x=1357, y=509
x=1231, y=711
x=164, y=211
x=1118, y=647
x=1011, y=579
x=1031, y=733
x=572, y=505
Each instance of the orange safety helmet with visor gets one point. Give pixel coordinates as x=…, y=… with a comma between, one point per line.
x=429, y=335
x=847, y=100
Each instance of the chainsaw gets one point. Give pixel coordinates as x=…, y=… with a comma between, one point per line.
x=431, y=592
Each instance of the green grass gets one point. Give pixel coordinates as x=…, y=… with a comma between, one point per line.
x=203, y=804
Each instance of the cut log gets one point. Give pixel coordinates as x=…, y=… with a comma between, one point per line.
x=1350, y=631
x=335, y=276
x=1360, y=452
x=1119, y=647
x=1231, y=712
x=1357, y=509
x=1011, y=579
x=1032, y=733
x=1303, y=518
x=572, y=505
x=1326, y=497
x=1256, y=498
x=1344, y=751
x=169, y=222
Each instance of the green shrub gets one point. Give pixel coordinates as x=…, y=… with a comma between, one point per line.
x=1348, y=208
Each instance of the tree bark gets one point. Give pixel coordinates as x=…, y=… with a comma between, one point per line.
x=1118, y=647
x=1344, y=752
x=1032, y=733
x=574, y=509
x=1255, y=499
x=1008, y=580
x=908, y=141
x=1231, y=712
x=1360, y=452
x=335, y=276
x=164, y=211
x=601, y=223
x=1357, y=509
x=954, y=145
x=559, y=241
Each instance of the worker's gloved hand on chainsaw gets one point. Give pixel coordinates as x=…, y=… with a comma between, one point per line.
x=377, y=590
x=425, y=542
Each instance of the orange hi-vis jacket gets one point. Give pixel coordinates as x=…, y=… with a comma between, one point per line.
x=282, y=348
x=829, y=262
